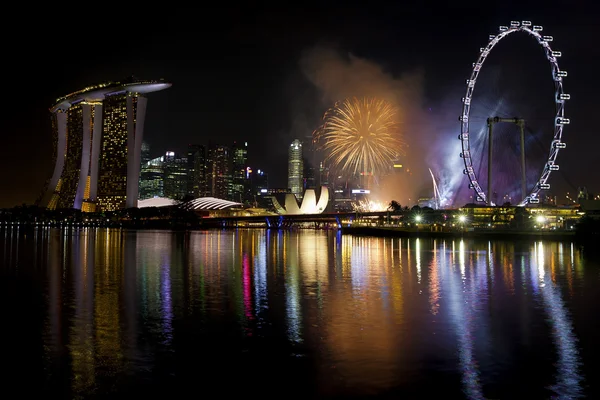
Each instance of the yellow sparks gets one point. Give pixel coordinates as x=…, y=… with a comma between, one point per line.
x=360, y=136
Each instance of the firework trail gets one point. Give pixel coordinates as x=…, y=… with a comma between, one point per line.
x=436, y=191
x=360, y=136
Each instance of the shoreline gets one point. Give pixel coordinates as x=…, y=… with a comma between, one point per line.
x=485, y=234
x=355, y=230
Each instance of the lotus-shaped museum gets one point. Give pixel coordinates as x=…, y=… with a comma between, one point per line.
x=309, y=205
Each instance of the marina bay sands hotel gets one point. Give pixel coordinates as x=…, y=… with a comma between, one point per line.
x=97, y=134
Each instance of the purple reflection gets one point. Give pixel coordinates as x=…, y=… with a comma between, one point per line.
x=568, y=378
x=247, y=281
x=167, y=305
x=260, y=277
x=464, y=302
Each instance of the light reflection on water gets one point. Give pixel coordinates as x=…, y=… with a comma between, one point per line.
x=369, y=316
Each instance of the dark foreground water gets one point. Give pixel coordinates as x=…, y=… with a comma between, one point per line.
x=96, y=313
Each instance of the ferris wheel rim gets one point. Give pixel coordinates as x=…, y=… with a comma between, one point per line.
x=559, y=119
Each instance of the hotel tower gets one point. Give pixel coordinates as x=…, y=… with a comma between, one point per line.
x=97, y=146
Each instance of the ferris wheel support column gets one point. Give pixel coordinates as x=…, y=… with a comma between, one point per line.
x=521, y=124
x=490, y=122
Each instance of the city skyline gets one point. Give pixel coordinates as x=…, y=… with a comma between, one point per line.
x=262, y=81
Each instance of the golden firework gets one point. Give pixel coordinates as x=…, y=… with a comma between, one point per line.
x=360, y=136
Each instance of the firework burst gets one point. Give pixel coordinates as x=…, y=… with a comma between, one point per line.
x=360, y=136
x=369, y=206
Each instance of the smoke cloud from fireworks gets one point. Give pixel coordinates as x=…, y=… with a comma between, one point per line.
x=339, y=76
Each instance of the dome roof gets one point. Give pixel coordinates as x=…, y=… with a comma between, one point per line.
x=210, y=203
x=156, y=202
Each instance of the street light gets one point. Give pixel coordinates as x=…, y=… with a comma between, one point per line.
x=462, y=219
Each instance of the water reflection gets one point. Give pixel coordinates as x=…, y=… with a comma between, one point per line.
x=81, y=332
x=568, y=379
x=371, y=315
x=292, y=289
x=464, y=305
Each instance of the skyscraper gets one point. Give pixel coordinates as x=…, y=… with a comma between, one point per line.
x=98, y=135
x=295, y=168
x=239, y=163
x=219, y=171
x=145, y=152
x=152, y=179
x=176, y=176
x=196, y=159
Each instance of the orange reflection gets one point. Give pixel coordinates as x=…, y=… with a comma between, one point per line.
x=434, y=282
x=361, y=325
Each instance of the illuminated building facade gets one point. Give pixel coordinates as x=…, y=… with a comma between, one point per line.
x=145, y=153
x=196, y=159
x=176, y=176
x=239, y=173
x=219, y=172
x=310, y=203
x=295, y=168
x=151, y=179
x=98, y=135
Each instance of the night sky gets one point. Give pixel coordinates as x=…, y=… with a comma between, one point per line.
x=265, y=75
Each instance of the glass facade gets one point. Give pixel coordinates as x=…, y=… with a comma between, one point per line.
x=145, y=153
x=239, y=178
x=295, y=168
x=71, y=169
x=151, y=179
x=175, y=176
x=219, y=172
x=196, y=159
x=112, y=167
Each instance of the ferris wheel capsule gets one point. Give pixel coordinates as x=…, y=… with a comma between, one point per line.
x=526, y=23
x=537, y=28
x=564, y=96
x=503, y=28
x=557, y=144
x=514, y=24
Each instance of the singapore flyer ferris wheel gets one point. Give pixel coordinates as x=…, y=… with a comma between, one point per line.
x=529, y=194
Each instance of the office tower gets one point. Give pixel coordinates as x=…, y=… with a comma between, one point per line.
x=98, y=134
x=145, y=152
x=239, y=177
x=175, y=176
x=196, y=159
x=219, y=172
x=295, y=168
x=152, y=179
